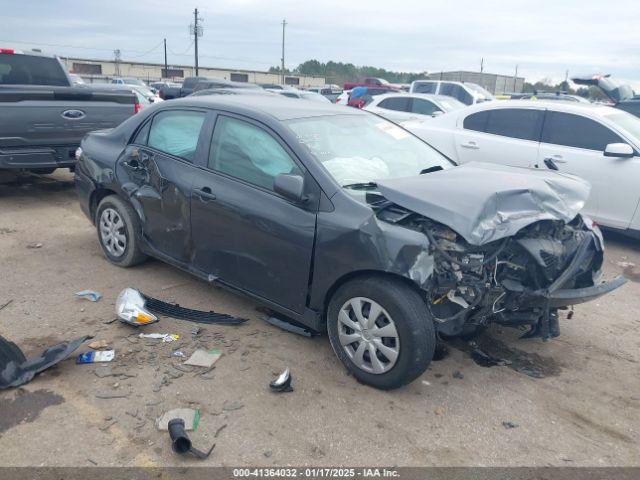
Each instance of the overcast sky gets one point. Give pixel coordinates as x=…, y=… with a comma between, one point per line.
x=544, y=38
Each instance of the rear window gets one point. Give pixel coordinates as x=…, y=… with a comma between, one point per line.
x=18, y=69
x=400, y=104
x=176, y=132
x=524, y=124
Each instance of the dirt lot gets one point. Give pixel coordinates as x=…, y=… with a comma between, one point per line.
x=584, y=411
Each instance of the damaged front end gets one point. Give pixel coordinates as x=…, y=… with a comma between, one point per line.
x=519, y=280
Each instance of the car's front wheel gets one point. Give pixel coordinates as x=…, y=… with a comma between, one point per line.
x=118, y=228
x=381, y=330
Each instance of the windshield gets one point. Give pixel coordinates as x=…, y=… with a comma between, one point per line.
x=360, y=149
x=479, y=90
x=627, y=122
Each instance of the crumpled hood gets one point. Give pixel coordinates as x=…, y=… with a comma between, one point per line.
x=485, y=202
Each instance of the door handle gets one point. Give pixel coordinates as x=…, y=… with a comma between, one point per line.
x=206, y=194
x=551, y=163
x=470, y=145
x=558, y=159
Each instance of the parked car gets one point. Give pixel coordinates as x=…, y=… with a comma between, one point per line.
x=330, y=92
x=465, y=92
x=343, y=98
x=43, y=115
x=370, y=82
x=302, y=94
x=144, y=97
x=598, y=143
x=76, y=79
x=401, y=107
x=178, y=91
x=231, y=91
x=622, y=95
x=210, y=83
x=360, y=97
x=555, y=96
x=164, y=84
x=343, y=222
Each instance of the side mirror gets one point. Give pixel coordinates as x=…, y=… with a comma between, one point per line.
x=290, y=187
x=437, y=113
x=620, y=150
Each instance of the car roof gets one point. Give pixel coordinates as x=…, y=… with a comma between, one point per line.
x=426, y=96
x=568, y=107
x=276, y=106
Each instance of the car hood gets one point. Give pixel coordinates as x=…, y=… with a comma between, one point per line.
x=484, y=202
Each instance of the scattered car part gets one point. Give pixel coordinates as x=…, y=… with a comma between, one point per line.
x=288, y=326
x=165, y=337
x=180, y=441
x=98, y=344
x=130, y=308
x=90, y=295
x=203, y=358
x=283, y=382
x=96, y=357
x=189, y=416
x=182, y=313
x=16, y=369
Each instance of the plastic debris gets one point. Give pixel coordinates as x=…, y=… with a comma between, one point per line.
x=90, y=295
x=34, y=245
x=165, y=337
x=16, y=370
x=181, y=443
x=179, y=353
x=98, y=344
x=509, y=425
x=204, y=358
x=283, y=382
x=288, y=326
x=130, y=308
x=189, y=416
x=95, y=357
x=182, y=313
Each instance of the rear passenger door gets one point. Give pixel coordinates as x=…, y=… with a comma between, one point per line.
x=395, y=109
x=243, y=231
x=157, y=170
x=576, y=145
x=508, y=136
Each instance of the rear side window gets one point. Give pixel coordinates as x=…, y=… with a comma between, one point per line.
x=476, y=121
x=18, y=69
x=176, y=133
x=401, y=104
x=247, y=152
x=576, y=131
x=424, y=107
x=519, y=123
x=428, y=87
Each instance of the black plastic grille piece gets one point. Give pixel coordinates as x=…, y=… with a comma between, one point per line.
x=182, y=313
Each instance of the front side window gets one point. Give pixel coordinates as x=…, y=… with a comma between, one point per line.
x=176, y=133
x=423, y=107
x=400, y=104
x=247, y=152
x=520, y=123
x=576, y=131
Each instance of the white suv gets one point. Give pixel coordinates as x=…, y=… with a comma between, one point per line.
x=466, y=92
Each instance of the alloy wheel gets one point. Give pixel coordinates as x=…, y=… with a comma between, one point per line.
x=112, y=232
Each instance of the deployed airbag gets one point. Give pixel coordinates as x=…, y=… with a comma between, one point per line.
x=484, y=202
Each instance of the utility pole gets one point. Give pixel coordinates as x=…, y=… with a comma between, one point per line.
x=196, y=30
x=117, y=57
x=481, y=65
x=515, y=79
x=166, y=69
x=284, y=24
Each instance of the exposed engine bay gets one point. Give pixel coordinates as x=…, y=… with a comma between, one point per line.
x=521, y=280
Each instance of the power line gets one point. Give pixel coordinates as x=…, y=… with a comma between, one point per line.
x=149, y=51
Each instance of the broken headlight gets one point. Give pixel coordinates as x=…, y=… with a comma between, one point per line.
x=130, y=308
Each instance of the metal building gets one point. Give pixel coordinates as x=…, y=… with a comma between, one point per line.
x=493, y=82
x=101, y=70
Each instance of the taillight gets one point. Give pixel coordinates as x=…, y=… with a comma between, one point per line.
x=7, y=50
x=136, y=107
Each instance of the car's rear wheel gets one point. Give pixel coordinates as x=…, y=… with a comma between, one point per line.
x=381, y=330
x=118, y=232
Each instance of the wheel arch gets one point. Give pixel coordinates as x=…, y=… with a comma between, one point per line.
x=364, y=274
x=96, y=197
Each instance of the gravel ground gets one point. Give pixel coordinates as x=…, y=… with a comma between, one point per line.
x=585, y=410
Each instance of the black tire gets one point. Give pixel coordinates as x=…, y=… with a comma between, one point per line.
x=414, y=326
x=132, y=254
